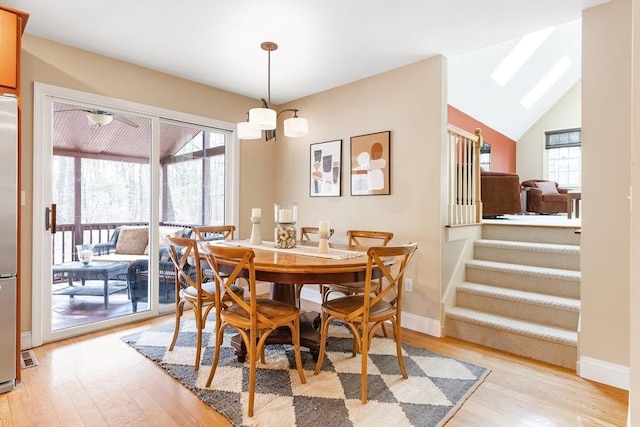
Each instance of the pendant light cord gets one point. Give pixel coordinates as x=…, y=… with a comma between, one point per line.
x=269, y=78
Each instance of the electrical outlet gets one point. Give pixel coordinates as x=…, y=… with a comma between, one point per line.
x=408, y=285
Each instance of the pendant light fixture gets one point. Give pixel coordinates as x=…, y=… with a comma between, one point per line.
x=265, y=118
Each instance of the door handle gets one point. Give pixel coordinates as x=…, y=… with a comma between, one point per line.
x=50, y=218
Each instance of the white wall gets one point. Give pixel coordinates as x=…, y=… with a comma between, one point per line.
x=530, y=153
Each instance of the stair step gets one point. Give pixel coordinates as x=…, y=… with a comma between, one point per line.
x=532, y=233
x=550, y=281
x=549, y=344
x=533, y=307
x=521, y=327
x=551, y=255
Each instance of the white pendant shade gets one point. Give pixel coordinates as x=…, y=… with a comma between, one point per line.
x=246, y=131
x=263, y=118
x=99, y=119
x=296, y=127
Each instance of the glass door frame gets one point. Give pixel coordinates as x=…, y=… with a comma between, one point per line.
x=44, y=96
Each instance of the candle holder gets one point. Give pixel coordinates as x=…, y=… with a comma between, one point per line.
x=256, y=238
x=323, y=245
x=285, y=232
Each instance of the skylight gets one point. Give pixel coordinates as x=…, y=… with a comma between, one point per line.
x=519, y=55
x=546, y=82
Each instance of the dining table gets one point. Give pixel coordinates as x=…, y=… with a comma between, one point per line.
x=300, y=265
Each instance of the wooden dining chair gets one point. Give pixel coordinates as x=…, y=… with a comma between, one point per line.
x=364, y=312
x=362, y=238
x=310, y=234
x=190, y=289
x=205, y=233
x=254, y=318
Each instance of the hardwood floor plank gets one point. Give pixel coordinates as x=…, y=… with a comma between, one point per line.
x=98, y=380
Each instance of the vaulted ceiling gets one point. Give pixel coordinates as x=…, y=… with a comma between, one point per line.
x=325, y=44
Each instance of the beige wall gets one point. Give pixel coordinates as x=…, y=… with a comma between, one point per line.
x=410, y=102
x=530, y=155
x=606, y=134
x=55, y=64
x=634, y=392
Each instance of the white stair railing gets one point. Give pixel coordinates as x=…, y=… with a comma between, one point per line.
x=465, y=202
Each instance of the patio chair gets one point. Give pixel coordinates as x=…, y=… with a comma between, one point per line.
x=138, y=280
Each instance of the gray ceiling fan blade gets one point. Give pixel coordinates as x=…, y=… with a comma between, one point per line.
x=125, y=121
x=121, y=119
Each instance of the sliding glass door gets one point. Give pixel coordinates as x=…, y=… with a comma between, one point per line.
x=121, y=177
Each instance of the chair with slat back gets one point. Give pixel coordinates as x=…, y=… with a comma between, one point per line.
x=310, y=234
x=254, y=318
x=364, y=312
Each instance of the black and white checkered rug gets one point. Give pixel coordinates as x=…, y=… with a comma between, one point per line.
x=437, y=385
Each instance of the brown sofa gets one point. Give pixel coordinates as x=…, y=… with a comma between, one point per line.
x=500, y=193
x=545, y=201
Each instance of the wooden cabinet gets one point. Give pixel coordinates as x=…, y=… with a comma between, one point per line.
x=12, y=24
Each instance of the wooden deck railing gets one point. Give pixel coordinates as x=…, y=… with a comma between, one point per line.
x=67, y=236
x=465, y=201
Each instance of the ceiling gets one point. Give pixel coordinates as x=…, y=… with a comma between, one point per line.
x=325, y=44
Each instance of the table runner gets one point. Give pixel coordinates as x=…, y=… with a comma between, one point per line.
x=298, y=250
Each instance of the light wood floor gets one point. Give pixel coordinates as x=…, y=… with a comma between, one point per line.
x=97, y=380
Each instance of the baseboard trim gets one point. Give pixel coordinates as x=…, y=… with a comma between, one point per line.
x=605, y=373
x=25, y=341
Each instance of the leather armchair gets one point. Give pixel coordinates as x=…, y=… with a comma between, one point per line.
x=500, y=193
x=545, y=197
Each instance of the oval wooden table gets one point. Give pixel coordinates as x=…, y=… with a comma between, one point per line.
x=285, y=269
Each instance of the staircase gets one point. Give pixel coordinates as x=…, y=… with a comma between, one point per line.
x=522, y=293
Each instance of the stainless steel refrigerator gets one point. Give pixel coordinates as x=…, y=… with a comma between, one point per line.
x=8, y=239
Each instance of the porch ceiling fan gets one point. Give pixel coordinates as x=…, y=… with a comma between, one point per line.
x=101, y=117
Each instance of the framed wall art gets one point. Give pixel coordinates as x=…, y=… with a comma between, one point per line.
x=370, y=164
x=325, y=169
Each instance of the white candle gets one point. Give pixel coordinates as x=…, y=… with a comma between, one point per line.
x=286, y=215
x=256, y=212
x=323, y=227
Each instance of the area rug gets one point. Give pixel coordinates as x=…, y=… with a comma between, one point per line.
x=436, y=388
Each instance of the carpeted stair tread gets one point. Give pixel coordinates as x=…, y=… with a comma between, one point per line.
x=532, y=233
x=551, y=255
x=555, y=273
x=515, y=295
x=529, y=246
x=520, y=327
